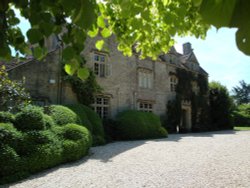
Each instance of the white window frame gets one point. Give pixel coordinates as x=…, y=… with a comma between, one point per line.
x=101, y=67
x=145, y=79
x=102, y=106
x=145, y=106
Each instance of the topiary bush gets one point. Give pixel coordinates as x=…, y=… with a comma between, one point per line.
x=9, y=135
x=91, y=121
x=77, y=141
x=96, y=122
x=134, y=124
x=10, y=162
x=30, y=118
x=6, y=117
x=62, y=115
x=49, y=122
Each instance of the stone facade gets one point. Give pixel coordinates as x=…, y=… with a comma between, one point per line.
x=127, y=82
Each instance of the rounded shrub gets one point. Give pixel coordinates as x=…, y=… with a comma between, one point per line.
x=45, y=156
x=91, y=121
x=79, y=110
x=32, y=140
x=49, y=122
x=6, y=117
x=9, y=135
x=30, y=118
x=134, y=124
x=9, y=161
x=98, y=130
x=62, y=115
x=76, y=143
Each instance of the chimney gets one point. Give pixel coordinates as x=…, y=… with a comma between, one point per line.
x=187, y=48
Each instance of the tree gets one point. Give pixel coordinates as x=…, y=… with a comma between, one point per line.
x=221, y=106
x=12, y=93
x=147, y=26
x=241, y=93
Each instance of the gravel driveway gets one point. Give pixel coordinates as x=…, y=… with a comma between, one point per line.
x=216, y=159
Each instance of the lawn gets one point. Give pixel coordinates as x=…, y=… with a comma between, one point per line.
x=242, y=128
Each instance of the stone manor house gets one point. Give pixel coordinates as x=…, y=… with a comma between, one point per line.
x=127, y=82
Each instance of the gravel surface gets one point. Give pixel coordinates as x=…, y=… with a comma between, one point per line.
x=215, y=159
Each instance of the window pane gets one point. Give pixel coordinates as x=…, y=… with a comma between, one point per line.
x=105, y=101
x=96, y=57
x=102, y=58
x=96, y=68
x=102, y=70
x=98, y=100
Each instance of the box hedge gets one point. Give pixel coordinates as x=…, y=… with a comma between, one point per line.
x=91, y=121
x=30, y=118
x=62, y=115
x=134, y=124
x=33, y=146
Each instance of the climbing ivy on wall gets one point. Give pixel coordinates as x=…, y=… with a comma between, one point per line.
x=200, y=108
x=84, y=89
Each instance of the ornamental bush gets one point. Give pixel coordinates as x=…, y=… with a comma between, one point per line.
x=91, y=121
x=6, y=117
x=10, y=162
x=49, y=122
x=62, y=115
x=134, y=124
x=9, y=135
x=30, y=118
x=76, y=142
x=80, y=111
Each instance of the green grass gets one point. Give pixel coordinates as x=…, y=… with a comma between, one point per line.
x=242, y=128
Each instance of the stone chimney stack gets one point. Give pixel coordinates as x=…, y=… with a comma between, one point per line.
x=187, y=48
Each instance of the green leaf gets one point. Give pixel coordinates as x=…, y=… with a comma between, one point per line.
x=83, y=73
x=197, y=3
x=99, y=44
x=106, y=33
x=71, y=67
x=101, y=22
x=68, y=53
x=217, y=12
x=85, y=16
x=243, y=40
x=93, y=33
x=38, y=53
x=34, y=35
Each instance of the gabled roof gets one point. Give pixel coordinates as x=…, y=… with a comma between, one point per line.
x=14, y=64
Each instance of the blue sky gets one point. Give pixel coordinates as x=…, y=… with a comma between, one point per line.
x=220, y=57
x=217, y=54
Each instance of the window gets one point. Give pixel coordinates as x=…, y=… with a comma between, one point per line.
x=173, y=83
x=101, y=67
x=145, y=106
x=102, y=106
x=195, y=87
x=145, y=79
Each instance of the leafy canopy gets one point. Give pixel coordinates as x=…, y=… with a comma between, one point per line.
x=147, y=26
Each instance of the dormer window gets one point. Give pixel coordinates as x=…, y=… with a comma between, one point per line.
x=101, y=67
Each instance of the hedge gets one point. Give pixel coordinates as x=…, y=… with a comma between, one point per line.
x=6, y=117
x=62, y=115
x=29, y=148
x=30, y=118
x=134, y=124
x=91, y=121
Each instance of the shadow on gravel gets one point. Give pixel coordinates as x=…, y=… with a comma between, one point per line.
x=107, y=152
